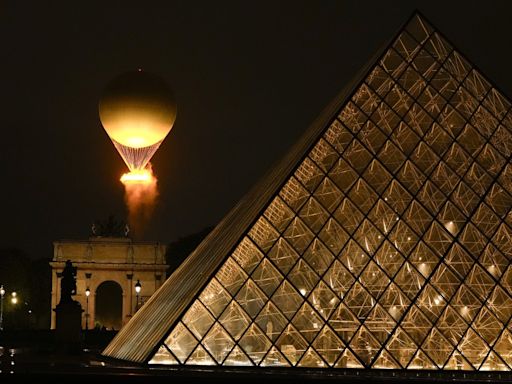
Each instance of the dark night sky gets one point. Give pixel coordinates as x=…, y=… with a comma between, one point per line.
x=249, y=77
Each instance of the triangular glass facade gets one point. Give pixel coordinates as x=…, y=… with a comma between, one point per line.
x=390, y=244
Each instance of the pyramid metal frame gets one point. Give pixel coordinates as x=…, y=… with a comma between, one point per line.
x=381, y=241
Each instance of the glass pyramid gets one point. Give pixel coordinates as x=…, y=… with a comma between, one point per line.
x=388, y=245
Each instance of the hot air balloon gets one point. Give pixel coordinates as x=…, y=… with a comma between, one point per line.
x=137, y=110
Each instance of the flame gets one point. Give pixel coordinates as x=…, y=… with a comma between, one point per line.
x=142, y=176
x=140, y=195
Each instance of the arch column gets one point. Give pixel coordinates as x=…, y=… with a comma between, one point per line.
x=128, y=283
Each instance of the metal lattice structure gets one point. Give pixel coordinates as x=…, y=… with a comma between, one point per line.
x=382, y=241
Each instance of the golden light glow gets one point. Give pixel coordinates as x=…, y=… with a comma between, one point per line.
x=137, y=109
x=140, y=195
x=142, y=176
x=451, y=226
x=136, y=130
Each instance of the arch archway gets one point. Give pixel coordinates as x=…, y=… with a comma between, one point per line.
x=108, y=308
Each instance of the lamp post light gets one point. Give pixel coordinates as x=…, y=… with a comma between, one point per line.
x=87, y=293
x=2, y=293
x=138, y=287
x=14, y=301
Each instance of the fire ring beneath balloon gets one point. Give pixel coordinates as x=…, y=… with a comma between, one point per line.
x=137, y=177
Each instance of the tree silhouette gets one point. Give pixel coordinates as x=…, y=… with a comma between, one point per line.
x=178, y=250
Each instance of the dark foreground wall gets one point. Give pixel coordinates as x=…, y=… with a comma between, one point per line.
x=96, y=372
x=34, y=341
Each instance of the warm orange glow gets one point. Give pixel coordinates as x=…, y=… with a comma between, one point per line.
x=142, y=176
x=140, y=195
x=137, y=109
x=137, y=130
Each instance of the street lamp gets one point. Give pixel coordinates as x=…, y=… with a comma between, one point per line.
x=138, y=287
x=87, y=293
x=14, y=298
x=2, y=293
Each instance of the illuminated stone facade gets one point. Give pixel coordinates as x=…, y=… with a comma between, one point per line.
x=383, y=240
x=109, y=259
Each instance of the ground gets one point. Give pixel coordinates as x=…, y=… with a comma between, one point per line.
x=32, y=356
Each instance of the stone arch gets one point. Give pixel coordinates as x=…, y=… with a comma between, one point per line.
x=108, y=308
x=108, y=259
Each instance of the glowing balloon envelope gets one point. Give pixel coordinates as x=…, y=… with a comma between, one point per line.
x=137, y=110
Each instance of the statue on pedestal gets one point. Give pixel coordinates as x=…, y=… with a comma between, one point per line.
x=69, y=312
x=68, y=283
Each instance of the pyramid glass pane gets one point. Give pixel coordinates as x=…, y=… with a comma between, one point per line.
x=386, y=243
